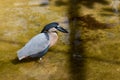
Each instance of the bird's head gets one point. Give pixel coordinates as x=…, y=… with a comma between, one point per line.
x=53, y=27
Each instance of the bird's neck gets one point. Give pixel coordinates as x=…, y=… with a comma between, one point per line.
x=53, y=38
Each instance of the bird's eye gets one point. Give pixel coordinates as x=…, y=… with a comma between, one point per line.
x=58, y=26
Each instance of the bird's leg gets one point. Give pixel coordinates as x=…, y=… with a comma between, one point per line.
x=40, y=59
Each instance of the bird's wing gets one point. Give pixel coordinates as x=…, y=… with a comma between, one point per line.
x=37, y=44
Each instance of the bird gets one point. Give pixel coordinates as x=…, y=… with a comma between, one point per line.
x=38, y=46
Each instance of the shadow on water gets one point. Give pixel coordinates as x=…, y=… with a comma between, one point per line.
x=16, y=61
x=88, y=4
x=60, y=3
x=91, y=23
x=76, y=51
x=77, y=67
x=77, y=62
x=103, y=60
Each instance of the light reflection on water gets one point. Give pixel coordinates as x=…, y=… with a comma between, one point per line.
x=113, y=19
x=115, y=5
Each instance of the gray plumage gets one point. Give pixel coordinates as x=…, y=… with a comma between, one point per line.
x=37, y=44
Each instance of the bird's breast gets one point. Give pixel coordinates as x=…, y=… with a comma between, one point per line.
x=53, y=38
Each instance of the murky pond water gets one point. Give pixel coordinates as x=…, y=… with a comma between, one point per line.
x=22, y=19
x=19, y=16
x=19, y=21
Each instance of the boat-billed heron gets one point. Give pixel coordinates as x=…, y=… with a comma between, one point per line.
x=39, y=44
